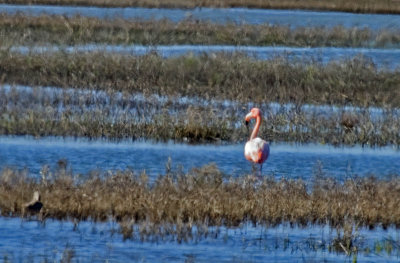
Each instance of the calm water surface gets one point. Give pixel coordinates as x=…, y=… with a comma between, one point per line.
x=294, y=18
x=292, y=161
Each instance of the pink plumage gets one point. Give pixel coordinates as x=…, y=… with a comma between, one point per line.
x=256, y=149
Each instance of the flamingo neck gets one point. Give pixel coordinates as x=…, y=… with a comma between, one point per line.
x=256, y=128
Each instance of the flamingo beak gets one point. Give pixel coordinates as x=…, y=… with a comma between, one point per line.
x=248, y=118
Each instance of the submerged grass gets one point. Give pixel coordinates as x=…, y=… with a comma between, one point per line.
x=359, y=6
x=234, y=76
x=203, y=197
x=84, y=113
x=60, y=30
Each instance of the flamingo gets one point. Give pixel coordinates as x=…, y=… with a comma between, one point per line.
x=256, y=149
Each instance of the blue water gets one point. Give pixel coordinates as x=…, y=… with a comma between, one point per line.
x=290, y=161
x=22, y=240
x=294, y=18
x=383, y=58
x=29, y=241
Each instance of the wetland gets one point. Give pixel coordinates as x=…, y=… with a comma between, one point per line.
x=125, y=125
x=46, y=29
x=191, y=205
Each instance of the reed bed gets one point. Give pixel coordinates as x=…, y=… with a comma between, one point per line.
x=359, y=6
x=203, y=197
x=60, y=30
x=113, y=115
x=234, y=76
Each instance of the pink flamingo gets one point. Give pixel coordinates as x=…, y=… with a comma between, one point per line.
x=256, y=149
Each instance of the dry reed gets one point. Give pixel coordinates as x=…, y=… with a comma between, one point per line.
x=203, y=197
x=60, y=30
x=84, y=113
x=235, y=76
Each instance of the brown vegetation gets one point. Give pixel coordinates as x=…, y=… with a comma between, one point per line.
x=84, y=113
x=60, y=30
x=235, y=76
x=204, y=197
x=359, y=6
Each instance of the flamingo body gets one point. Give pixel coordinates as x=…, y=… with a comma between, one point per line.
x=256, y=149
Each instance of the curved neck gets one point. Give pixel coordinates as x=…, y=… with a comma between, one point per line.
x=256, y=128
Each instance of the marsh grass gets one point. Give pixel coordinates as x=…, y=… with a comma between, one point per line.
x=113, y=115
x=359, y=6
x=203, y=197
x=60, y=30
x=236, y=77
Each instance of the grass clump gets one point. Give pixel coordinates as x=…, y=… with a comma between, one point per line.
x=203, y=197
x=236, y=77
x=114, y=115
x=60, y=30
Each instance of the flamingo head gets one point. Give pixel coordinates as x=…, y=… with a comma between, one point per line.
x=254, y=113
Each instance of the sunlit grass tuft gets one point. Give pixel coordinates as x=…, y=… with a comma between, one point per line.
x=203, y=197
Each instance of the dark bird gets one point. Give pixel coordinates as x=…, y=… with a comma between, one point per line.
x=32, y=207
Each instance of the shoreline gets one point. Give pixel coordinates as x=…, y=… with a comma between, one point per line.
x=361, y=6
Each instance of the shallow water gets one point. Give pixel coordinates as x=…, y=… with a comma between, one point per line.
x=30, y=240
x=290, y=161
x=99, y=242
x=294, y=18
x=29, y=97
x=383, y=58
